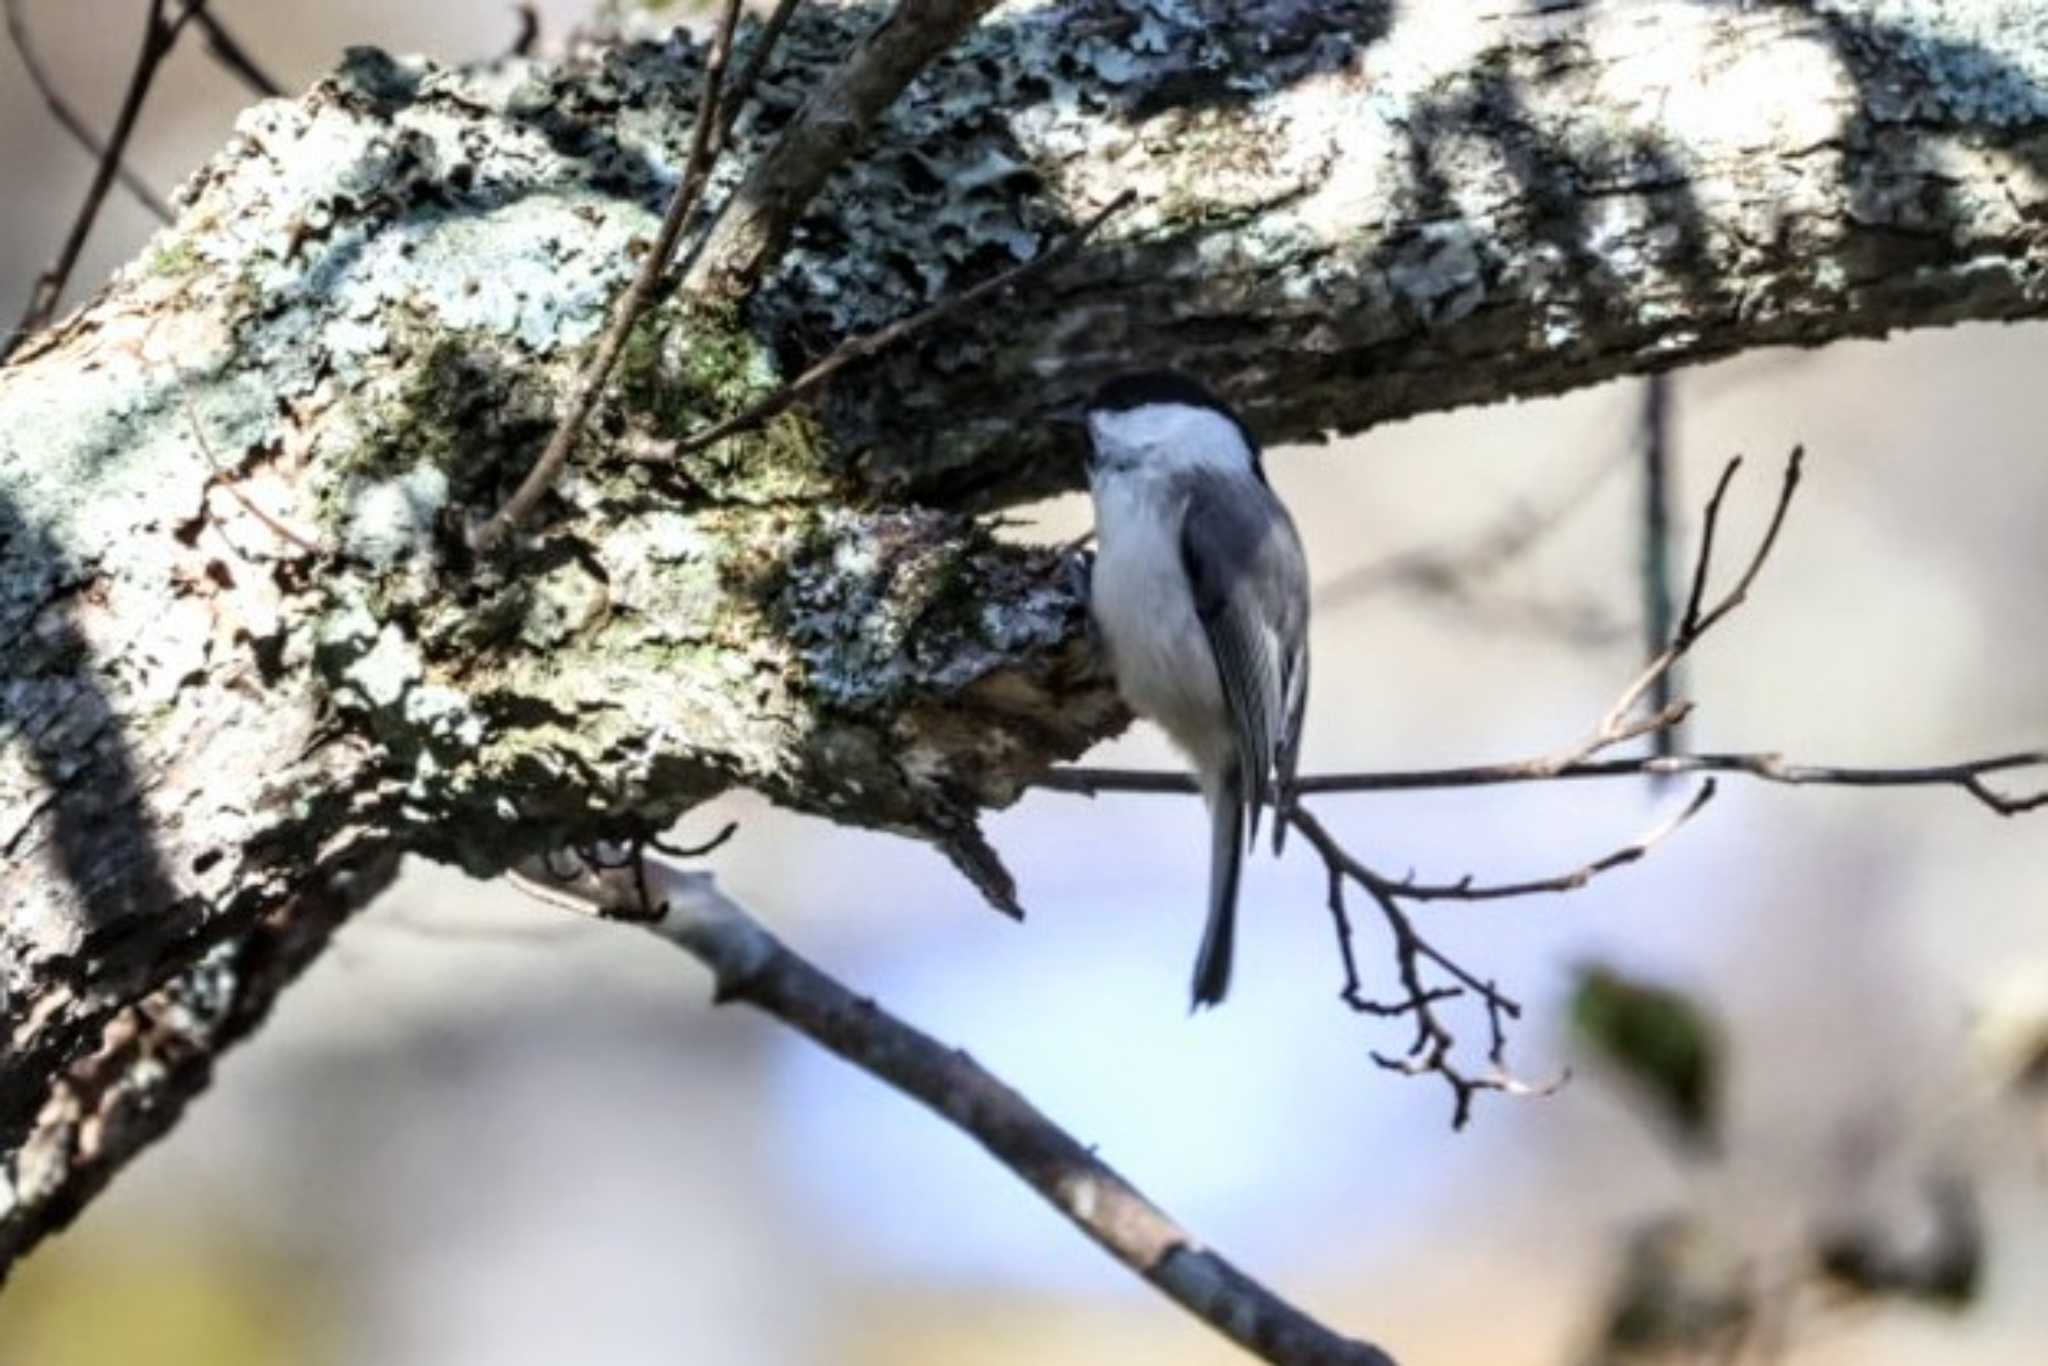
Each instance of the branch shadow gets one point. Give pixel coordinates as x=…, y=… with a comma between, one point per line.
x=67, y=765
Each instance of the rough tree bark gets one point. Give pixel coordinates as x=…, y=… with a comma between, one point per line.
x=217, y=742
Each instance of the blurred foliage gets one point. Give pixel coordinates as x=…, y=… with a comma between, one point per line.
x=1943, y=1266
x=1662, y=1041
x=95, y=1301
x=1682, y=1295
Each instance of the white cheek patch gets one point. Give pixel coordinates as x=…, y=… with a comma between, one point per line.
x=1169, y=436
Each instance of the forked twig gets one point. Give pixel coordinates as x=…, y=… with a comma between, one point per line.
x=159, y=35
x=1434, y=1045
x=70, y=119
x=1621, y=723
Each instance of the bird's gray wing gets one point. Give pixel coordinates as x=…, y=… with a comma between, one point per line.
x=1244, y=566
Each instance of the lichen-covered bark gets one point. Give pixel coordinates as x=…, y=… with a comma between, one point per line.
x=216, y=738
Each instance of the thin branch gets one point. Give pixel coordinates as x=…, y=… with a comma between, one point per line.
x=529, y=31
x=831, y=127
x=159, y=35
x=1968, y=776
x=1466, y=889
x=225, y=49
x=1621, y=723
x=634, y=301
x=757, y=62
x=1655, y=567
x=870, y=343
x=226, y=479
x=69, y=118
x=750, y=964
x=1433, y=1049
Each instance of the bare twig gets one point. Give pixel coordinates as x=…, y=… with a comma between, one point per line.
x=529, y=31
x=1621, y=723
x=229, y=52
x=69, y=118
x=634, y=301
x=226, y=479
x=830, y=128
x=870, y=343
x=1658, y=608
x=1416, y=959
x=751, y=965
x=756, y=63
x=1466, y=889
x=1433, y=1049
x=1968, y=776
x=159, y=35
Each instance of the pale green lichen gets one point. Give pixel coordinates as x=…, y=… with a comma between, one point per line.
x=174, y=259
x=687, y=366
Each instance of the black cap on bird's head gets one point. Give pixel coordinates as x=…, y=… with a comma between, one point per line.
x=1126, y=399
x=1149, y=402
x=1138, y=388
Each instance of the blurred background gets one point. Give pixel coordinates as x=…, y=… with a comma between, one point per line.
x=482, y=1131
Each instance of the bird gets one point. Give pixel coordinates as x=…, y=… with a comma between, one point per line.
x=1199, y=596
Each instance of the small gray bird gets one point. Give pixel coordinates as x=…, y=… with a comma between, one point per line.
x=1200, y=595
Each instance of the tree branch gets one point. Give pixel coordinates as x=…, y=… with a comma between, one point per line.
x=833, y=125
x=751, y=965
x=69, y=118
x=159, y=35
x=871, y=344
x=383, y=288
x=763, y=47
x=1967, y=775
x=704, y=150
x=229, y=52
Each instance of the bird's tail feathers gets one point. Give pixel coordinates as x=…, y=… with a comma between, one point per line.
x=1226, y=857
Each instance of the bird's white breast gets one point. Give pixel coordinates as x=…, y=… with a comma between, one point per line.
x=1145, y=611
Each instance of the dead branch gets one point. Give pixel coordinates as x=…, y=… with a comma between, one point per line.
x=1433, y=1049
x=750, y=236
x=750, y=964
x=224, y=48
x=1968, y=776
x=159, y=36
x=633, y=302
x=1622, y=722
x=757, y=61
x=69, y=118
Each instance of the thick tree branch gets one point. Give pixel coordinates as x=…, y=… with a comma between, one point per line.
x=380, y=295
x=751, y=965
